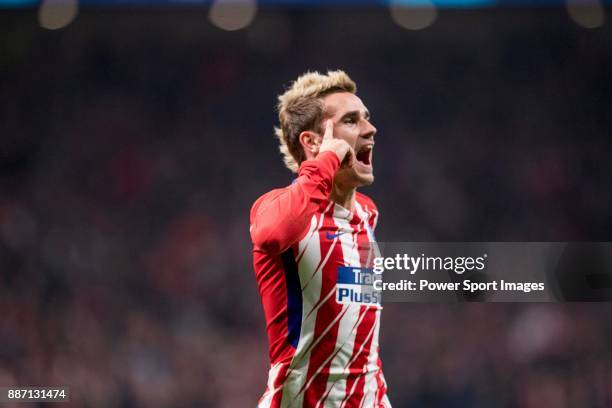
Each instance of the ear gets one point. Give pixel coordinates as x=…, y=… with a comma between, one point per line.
x=310, y=142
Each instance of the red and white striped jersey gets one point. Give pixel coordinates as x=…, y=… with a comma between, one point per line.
x=310, y=257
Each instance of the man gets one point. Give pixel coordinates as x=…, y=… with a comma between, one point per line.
x=311, y=246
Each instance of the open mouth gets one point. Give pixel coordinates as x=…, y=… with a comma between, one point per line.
x=364, y=155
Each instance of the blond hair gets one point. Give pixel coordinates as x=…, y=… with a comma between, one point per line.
x=300, y=109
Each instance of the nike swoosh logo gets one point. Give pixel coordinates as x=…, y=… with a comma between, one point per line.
x=333, y=236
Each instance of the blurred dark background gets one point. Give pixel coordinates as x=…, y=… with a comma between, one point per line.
x=133, y=143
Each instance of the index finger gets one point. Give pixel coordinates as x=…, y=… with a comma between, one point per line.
x=329, y=130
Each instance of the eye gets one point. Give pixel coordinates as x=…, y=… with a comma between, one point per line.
x=349, y=120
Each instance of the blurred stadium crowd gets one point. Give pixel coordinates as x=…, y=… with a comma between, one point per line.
x=133, y=144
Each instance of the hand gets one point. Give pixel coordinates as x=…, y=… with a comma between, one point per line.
x=342, y=149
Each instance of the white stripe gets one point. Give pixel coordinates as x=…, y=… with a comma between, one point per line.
x=370, y=386
x=305, y=278
x=320, y=266
x=314, y=228
x=303, y=244
x=310, y=248
x=363, y=343
x=266, y=399
x=318, y=370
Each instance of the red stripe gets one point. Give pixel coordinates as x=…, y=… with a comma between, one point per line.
x=356, y=377
x=280, y=379
x=361, y=314
x=364, y=245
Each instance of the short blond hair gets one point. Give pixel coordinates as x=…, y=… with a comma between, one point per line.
x=300, y=109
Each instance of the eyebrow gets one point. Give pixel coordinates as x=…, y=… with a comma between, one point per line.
x=366, y=114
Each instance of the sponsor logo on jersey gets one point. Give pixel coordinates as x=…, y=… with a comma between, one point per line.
x=355, y=285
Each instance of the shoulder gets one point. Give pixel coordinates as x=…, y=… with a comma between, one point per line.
x=366, y=202
x=265, y=199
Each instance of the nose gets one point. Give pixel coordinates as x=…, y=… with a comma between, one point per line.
x=369, y=130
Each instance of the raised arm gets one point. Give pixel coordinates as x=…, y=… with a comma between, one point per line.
x=279, y=218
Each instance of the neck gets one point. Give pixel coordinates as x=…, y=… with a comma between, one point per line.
x=343, y=196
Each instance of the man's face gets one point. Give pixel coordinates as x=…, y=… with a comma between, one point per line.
x=352, y=124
